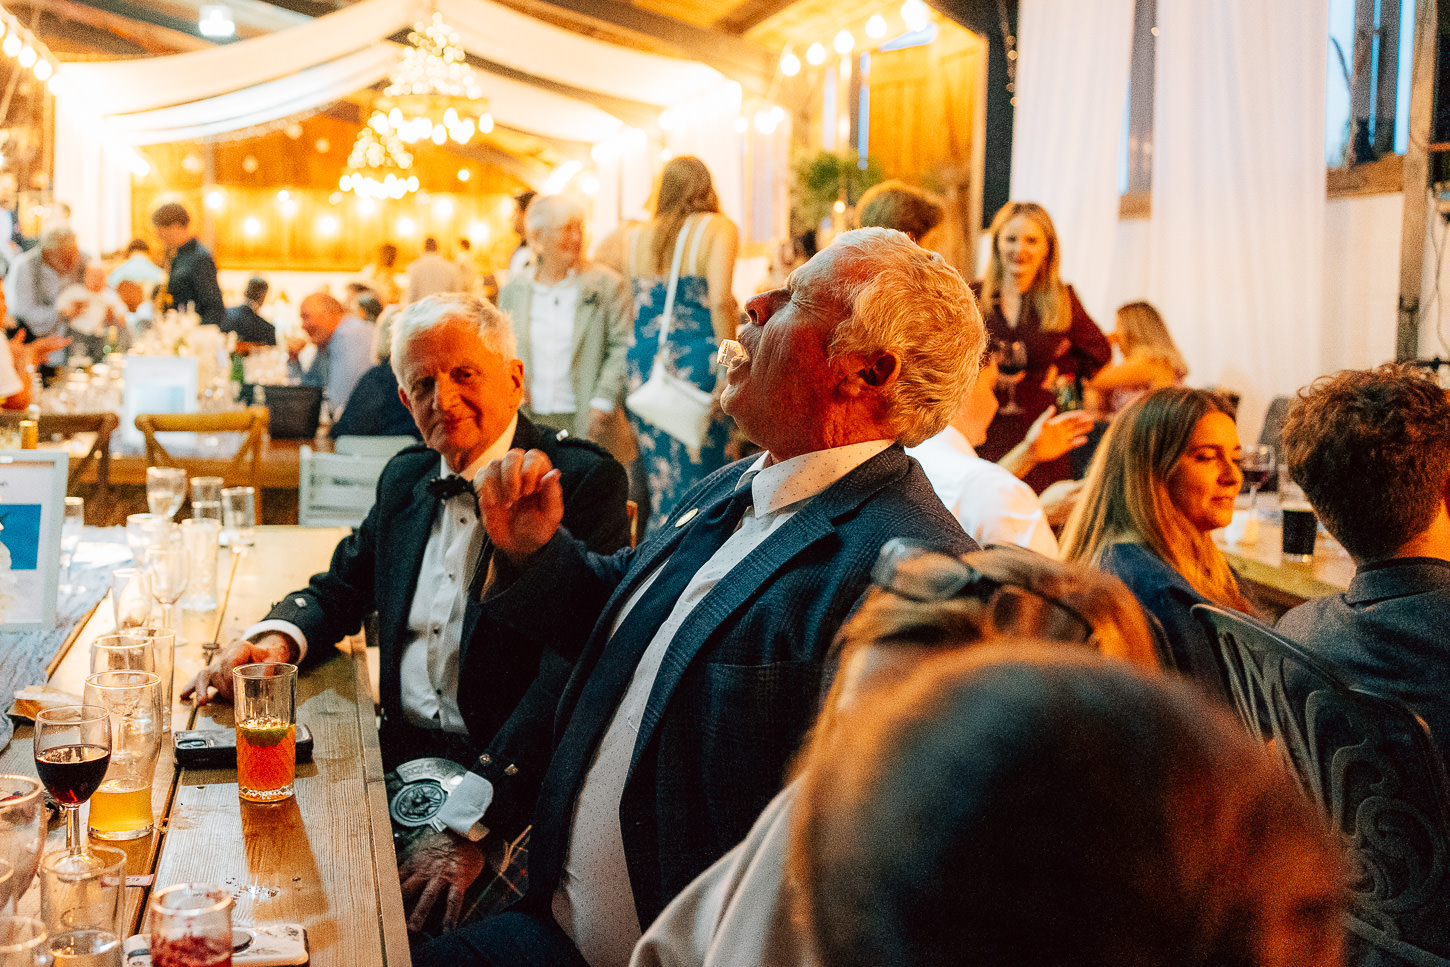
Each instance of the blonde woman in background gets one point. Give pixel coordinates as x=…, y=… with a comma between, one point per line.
x=705, y=312
x=1163, y=480
x=1040, y=324
x=1150, y=361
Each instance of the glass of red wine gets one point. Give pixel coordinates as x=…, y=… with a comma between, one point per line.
x=1011, y=360
x=1256, y=462
x=72, y=751
x=191, y=926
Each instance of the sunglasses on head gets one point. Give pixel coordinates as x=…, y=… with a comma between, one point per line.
x=918, y=573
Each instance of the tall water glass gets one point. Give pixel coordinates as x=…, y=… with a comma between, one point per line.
x=239, y=518
x=23, y=943
x=121, y=807
x=199, y=537
x=130, y=597
x=206, y=498
x=81, y=899
x=266, y=714
x=165, y=490
x=191, y=926
x=162, y=644
x=23, y=822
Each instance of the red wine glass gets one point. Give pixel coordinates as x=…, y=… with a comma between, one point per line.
x=1256, y=462
x=1011, y=360
x=72, y=751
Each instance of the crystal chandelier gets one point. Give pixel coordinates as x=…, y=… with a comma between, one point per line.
x=378, y=166
x=433, y=93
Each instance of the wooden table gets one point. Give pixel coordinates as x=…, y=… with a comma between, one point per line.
x=323, y=859
x=1278, y=584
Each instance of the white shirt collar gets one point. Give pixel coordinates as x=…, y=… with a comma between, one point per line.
x=801, y=478
x=495, y=450
x=957, y=440
x=571, y=278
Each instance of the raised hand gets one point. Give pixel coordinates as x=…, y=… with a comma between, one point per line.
x=520, y=503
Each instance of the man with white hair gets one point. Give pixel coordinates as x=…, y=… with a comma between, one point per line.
x=420, y=557
x=703, y=652
x=36, y=279
x=573, y=322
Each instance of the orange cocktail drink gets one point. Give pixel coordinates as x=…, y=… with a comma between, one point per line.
x=266, y=702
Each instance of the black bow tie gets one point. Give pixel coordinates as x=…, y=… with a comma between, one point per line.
x=450, y=486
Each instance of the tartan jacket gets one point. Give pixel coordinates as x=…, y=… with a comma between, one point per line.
x=736, y=691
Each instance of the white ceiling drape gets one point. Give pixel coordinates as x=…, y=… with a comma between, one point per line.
x=103, y=108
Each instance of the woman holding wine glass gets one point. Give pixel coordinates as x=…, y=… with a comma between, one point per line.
x=1037, y=320
x=72, y=752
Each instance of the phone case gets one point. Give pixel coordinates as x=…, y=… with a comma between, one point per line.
x=217, y=748
x=265, y=945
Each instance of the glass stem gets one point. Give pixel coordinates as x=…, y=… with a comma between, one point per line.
x=74, y=837
x=1253, y=499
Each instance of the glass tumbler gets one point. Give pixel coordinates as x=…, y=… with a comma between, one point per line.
x=23, y=943
x=266, y=715
x=191, y=926
x=121, y=807
x=199, y=537
x=206, y=498
x=239, y=517
x=81, y=899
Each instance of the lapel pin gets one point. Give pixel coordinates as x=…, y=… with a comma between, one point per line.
x=687, y=516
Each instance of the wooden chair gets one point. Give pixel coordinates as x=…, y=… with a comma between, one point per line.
x=336, y=490
x=372, y=446
x=99, y=503
x=245, y=468
x=1372, y=766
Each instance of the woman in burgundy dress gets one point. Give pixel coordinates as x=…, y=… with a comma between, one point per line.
x=1033, y=315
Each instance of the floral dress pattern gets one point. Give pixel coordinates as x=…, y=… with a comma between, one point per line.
x=670, y=466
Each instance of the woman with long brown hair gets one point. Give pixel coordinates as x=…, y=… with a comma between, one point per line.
x=688, y=229
x=1041, y=326
x=1163, y=479
x=1150, y=361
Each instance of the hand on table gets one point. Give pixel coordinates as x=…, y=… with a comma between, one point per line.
x=218, y=675
x=438, y=865
x=520, y=502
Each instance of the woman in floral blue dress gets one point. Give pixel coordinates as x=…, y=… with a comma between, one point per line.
x=705, y=312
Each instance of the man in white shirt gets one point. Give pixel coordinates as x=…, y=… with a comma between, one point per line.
x=704, y=650
x=573, y=322
x=419, y=557
x=35, y=280
x=991, y=504
x=432, y=274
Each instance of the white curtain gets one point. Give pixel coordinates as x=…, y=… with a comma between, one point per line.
x=1072, y=86
x=1237, y=232
x=93, y=176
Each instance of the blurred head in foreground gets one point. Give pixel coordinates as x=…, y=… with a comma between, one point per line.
x=1026, y=804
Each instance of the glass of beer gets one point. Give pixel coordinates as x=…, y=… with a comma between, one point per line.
x=191, y=926
x=121, y=807
x=266, y=704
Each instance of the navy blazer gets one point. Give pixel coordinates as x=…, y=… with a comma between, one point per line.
x=376, y=568
x=738, y=687
x=1387, y=633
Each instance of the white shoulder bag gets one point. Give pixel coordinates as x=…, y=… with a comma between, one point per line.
x=665, y=400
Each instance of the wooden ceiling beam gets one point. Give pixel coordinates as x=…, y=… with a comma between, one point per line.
x=749, y=13
x=729, y=54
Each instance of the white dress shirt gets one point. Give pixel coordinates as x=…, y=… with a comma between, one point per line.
x=435, y=620
x=551, y=344
x=993, y=506
x=594, y=903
